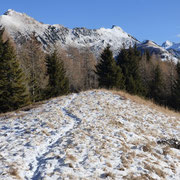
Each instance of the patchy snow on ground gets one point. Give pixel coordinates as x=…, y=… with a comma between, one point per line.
x=91, y=135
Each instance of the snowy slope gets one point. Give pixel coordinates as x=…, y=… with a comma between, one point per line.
x=173, y=48
x=156, y=49
x=171, y=45
x=90, y=135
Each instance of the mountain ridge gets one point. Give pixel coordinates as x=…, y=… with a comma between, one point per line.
x=172, y=47
x=20, y=24
x=20, y=27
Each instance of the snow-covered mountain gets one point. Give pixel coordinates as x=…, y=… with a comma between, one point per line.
x=156, y=49
x=91, y=135
x=171, y=45
x=173, y=48
x=20, y=27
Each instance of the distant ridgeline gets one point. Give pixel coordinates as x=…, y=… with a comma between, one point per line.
x=20, y=28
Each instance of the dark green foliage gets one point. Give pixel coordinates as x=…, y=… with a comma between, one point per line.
x=128, y=60
x=148, y=55
x=109, y=74
x=156, y=86
x=58, y=83
x=13, y=93
x=176, y=90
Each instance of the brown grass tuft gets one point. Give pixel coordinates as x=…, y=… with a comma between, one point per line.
x=14, y=172
x=71, y=157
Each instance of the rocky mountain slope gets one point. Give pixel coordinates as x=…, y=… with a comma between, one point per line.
x=158, y=50
x=20, y=27
x=91, y=135
x=173, y=48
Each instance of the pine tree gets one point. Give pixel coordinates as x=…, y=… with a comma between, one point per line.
x=156, y=86
x=176, y=90
x=148, y=55
x=109, y=74
x=58, y=83
x=128, y=60
x=13, y=92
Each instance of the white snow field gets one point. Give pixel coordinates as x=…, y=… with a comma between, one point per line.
x=95, y=134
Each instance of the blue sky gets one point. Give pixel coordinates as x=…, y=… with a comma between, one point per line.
x=157, y=20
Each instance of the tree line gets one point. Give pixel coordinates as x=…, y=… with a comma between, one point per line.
x=18, y=88
x=28, y=75
x=141, y=74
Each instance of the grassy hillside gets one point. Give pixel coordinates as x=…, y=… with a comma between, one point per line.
x=95, y=134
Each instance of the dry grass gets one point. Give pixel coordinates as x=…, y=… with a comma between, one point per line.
x=45, y=132
x=14, y=172
x=108, y=164
x=141, y=177
x=116, y=123
x=108, y=175
x=149, y=103
x=11, y=114
x=71, y=157
x=147, y=148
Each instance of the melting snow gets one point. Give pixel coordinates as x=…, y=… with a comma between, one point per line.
x=90, y=135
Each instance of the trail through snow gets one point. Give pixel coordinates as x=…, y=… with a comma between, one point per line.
x=91, y=135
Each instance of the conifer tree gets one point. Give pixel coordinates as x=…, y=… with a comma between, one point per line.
x=156, y=86
x=13, y=92
x=128, y=60
x=148, y=55
x=109, y=74
x=58, y=83
x=176, y=90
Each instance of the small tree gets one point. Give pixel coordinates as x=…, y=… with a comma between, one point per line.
x=109, y=74
x=58, y=83
x=13, y=92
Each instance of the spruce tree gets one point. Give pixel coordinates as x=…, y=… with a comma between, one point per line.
x=109, y=74
x=13, y=92
x=148, y=55
x=128, y=60
x=156, y=86
x=176, y=90
x=58, y=83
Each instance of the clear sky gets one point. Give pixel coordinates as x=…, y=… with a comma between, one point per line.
x=157, y=20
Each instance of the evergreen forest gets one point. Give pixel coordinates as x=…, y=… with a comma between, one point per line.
x=29, y=75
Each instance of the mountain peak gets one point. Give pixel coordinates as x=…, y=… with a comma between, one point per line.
x=11, y=12
x=19, y=26
x=117, y=28
x=167, y=44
